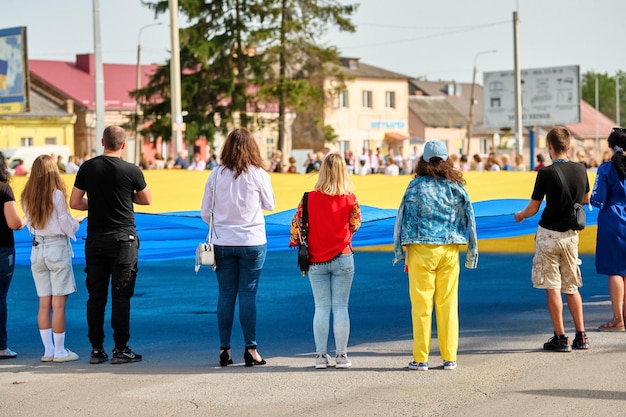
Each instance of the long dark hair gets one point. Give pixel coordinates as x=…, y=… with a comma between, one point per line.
x=5, y=174
x=617, y=143
x=439, y=168
x=241, y=151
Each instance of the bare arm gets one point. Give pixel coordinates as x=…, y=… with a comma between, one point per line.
x=586, y=198
x=530, y=210
x=14, y=221
x=143, y=197
x=78, y=200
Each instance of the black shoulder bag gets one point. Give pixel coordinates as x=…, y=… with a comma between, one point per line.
x=303, y=230
x=577, y=216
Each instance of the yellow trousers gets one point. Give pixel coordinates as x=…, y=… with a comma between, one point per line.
x=434, y=278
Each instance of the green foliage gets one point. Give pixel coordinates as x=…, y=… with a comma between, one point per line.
x=238, y=56
x=607, y=101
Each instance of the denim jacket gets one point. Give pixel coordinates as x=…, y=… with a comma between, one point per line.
x=435, y=211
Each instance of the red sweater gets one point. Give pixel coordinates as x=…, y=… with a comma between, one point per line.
x=332, y=222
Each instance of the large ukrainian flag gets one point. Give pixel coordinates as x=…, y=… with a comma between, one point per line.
x=171, y=226
x=4, y=67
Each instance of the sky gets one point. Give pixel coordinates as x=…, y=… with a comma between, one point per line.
x=434, y=40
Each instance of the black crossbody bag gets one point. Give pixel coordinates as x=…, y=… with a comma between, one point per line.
x=303, y=230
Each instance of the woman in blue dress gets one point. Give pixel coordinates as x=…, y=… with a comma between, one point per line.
x=609, y=195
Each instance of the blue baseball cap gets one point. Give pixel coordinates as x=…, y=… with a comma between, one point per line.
x=435, y=149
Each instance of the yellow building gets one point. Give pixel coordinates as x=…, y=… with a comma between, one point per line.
x=372, y=110
x=48, y=123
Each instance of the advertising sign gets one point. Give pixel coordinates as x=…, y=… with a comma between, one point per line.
x=14, y=81
x=550, y=96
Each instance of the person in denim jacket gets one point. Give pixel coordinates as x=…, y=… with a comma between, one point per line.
x=434, y=218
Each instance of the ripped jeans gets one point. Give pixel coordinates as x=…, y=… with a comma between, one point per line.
x=110, y=255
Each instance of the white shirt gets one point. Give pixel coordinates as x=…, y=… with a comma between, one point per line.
x=197, y=166
x=239, y=203
x=71, y=168
x=60, y=222
x=392, y=170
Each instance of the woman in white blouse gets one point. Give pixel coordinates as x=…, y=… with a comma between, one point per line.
x=235, y=195
x=44, y=201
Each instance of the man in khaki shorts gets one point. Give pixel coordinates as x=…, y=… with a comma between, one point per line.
x=556, y=264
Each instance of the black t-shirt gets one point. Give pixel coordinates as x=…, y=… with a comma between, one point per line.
x=556, y=213
x=6, y=233
x=110, y=184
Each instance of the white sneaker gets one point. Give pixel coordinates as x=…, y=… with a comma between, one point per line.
x=321, y=361
x=71, y=356
x=342, y=362
x=418, y=366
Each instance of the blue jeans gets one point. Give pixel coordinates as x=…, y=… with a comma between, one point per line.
x=7, y=265
x=238, y=272
x=331, y=283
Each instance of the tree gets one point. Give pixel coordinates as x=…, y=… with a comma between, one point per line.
x=214, y=58
x=238, y=55
x=294, y=33
x=607, y=100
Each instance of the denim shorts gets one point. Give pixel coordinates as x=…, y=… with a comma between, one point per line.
x=51, y=266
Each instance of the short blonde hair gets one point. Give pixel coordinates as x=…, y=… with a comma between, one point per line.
x=333, y=176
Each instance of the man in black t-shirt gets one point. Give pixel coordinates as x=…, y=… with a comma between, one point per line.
x=111, y=186
x=555, y=264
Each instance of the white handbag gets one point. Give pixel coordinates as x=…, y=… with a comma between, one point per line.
x=205, y=252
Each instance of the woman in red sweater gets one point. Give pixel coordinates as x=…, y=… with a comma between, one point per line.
x=334, y=216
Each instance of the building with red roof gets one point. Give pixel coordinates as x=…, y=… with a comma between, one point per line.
x=75, y=81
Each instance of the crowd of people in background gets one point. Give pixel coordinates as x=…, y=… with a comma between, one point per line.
x=370, y=161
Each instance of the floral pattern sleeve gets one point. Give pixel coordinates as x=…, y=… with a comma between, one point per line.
x=355, y=218
x=295, y=222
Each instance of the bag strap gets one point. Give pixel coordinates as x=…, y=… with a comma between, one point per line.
x=211, y=224
x=564, y=182
x=304, y=231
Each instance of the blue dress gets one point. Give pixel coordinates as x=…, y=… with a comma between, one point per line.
x=609, y=195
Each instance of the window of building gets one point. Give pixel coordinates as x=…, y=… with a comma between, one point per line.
x=484, y=145
x=271, y=147
x=27, y=142
x=390, y=99
x=51, y=141
x=367, y=99
x=343, y=99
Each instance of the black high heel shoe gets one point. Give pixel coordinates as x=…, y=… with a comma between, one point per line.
x=250, y=361
x=225, y=358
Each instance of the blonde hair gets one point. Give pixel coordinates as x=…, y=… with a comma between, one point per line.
x=333, y=176
x=37, y=194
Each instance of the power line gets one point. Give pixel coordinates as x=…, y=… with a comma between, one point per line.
x=463, y=29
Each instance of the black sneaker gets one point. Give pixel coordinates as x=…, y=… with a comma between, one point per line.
x=558, y=344
x=98, y=356
x=124, y=356
x=581, y=341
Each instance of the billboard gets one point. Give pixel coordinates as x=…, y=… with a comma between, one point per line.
x=550, y=96
x=14, y=80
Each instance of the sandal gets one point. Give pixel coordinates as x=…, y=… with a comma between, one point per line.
x=616, y=324
x=7, y=354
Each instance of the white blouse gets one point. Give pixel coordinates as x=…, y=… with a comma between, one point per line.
x=60, y=222
x=239, y=203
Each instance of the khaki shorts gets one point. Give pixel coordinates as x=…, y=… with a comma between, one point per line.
x=556, y=263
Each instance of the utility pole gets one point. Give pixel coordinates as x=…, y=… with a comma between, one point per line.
x=138, y=142
x=99, y=82
x=472, y=99
x=519, y=129
x=176, y=106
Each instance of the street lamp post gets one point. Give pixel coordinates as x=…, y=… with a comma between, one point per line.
x=471, y=107
x=138, y=146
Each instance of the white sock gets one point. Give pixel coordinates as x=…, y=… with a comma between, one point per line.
x=59, y=345
x=48, y=344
